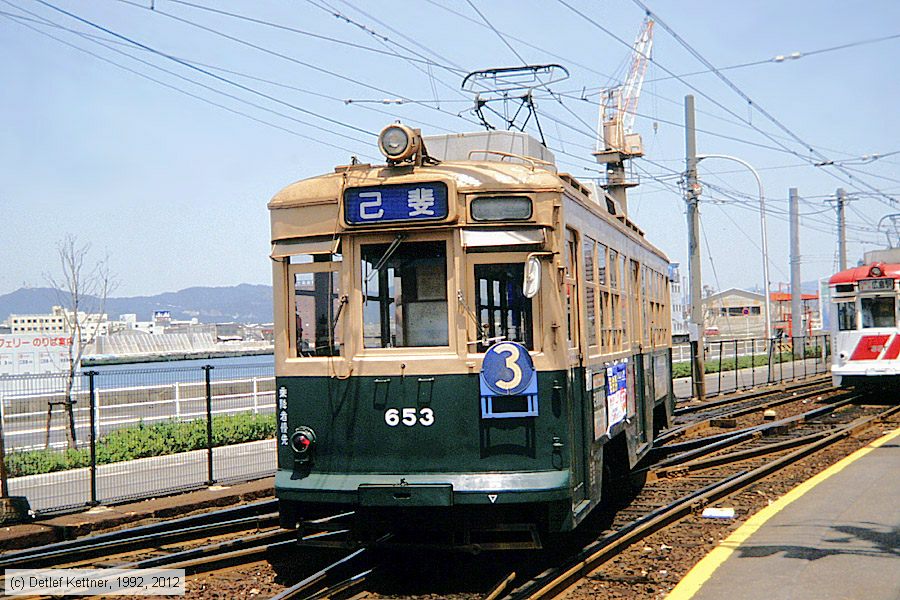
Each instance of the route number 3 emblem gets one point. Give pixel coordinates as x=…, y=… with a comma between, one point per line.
x=409, y=417
x=507, y=368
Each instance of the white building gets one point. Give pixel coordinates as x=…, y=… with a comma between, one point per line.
x=58, y=322
x=677, y=301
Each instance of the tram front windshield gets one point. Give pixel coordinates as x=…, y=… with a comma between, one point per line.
x=404, y=294
x=878, y=312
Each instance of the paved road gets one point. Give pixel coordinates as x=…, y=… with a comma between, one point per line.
x=146, y=477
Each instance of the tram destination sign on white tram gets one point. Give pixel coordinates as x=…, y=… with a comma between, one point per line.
x=876, y=284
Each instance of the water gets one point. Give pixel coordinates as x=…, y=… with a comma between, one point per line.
x=183, y=371
x=228, y=361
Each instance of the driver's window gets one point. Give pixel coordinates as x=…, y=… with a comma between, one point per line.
x=504, y=313
x=317, y=304
x=878, y=312
x=404, y=294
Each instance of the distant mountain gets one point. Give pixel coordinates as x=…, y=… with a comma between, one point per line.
x=242, y=303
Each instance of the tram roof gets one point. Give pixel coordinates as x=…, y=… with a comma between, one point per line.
x=888, y=270
x=468, y=176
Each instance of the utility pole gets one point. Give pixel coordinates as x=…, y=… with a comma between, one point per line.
x=692, y=198
x=842, y=228
x=796, y=310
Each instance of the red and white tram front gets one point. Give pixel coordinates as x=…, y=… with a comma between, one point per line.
x=865, y=333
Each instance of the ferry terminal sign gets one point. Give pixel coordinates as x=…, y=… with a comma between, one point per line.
x=390, y=203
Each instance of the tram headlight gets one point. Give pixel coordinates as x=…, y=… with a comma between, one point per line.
x=876, y=271
x=303, y=441
x=398, y=142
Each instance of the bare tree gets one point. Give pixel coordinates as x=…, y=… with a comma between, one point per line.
x=82, y=292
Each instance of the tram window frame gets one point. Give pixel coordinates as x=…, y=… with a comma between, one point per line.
x=571, y=300
x=592, y=297
x=887, y=319
x=476, y=259
x=847, y=312
x=315, y=265
x=360, y=285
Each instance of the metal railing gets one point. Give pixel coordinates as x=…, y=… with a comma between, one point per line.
x=738, y=364
x=110, y=435
x=107, y=436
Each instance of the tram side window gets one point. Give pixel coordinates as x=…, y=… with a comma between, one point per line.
x=588, y=246
x=878, y=312
x=846, y=316
x=317, y=305
x=503, y=310
x=405, y=295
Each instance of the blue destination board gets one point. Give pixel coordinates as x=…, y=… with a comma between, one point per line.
x=388, y=203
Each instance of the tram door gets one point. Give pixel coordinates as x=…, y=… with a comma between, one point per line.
x=575, y=387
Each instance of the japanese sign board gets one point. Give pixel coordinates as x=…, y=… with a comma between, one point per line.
x=390, y=203
x=283, y=415
x=23, y=354
x=616, y=392
x=876, y=284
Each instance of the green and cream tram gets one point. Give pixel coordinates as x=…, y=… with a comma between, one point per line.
x=466, y=342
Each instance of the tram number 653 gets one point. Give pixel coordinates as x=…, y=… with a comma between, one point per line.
x=409, y=417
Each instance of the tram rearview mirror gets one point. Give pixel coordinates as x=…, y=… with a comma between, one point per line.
x=532, y=280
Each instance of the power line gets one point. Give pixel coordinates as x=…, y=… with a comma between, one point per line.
x=204, y=71
x=17, y=19
x=285, y=57
x=750, y=102
x=788, y=57
x=311, y=34
x=494, y=29
x=384, y=40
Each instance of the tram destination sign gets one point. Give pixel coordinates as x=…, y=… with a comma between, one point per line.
x=876, y=284
x=390, y=203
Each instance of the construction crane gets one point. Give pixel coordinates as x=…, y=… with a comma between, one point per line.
x=616, y=139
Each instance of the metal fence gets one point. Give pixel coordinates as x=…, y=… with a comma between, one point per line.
x=733, y=365
x=107, y=436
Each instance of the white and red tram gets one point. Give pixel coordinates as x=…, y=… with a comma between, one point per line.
x=865, y=337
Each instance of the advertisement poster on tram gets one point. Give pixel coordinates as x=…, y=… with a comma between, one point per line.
x=616, y=392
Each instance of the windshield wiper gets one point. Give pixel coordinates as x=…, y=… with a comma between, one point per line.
x=387, y=255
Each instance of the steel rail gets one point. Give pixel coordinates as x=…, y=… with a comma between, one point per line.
x=694, y=461
x=818, y=382
x=306, y=584
x=229, y=519
x=602, y=550
x=739, y=411
x=211, y=550
x=698, y=447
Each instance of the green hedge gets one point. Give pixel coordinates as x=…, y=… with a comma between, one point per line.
x=142, y=441
x=683, y=369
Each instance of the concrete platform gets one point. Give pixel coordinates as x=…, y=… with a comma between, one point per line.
x=836, y=537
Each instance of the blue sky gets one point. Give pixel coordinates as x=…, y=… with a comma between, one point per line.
x=174, y=188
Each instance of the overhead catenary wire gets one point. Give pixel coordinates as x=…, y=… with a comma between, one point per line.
x=204, y=71
x=186, y=92
x=292, y=59
x=888, y=198
x=848, y=179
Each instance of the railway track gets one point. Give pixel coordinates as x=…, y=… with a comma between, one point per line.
x=256, y=515
x=678, y=491
x=695, y=418
x=686, y=477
